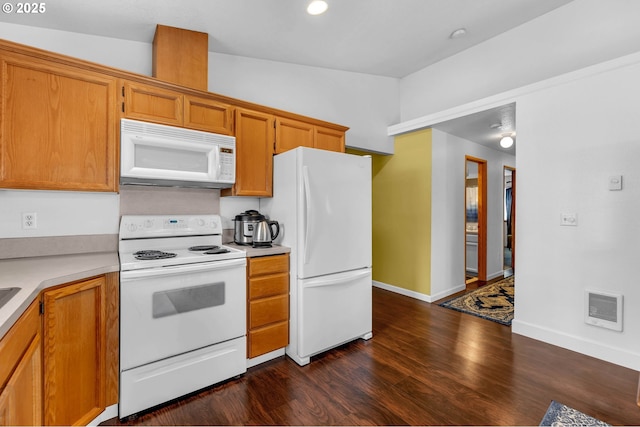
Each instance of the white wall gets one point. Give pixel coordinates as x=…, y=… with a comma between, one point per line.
x=367, y=104
x=571, y=138
x=581, y=33
x=574, y=131
x=63, y=213
x=448, y=210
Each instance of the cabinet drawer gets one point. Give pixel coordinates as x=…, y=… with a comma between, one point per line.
x=268, y=339
x=265, y=286
x=268, y=310
x=268, y=265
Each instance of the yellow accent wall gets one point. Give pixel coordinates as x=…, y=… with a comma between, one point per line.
x=401, y=213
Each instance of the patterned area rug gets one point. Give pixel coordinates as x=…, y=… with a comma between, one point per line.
x=562, y=415
x=491, y=302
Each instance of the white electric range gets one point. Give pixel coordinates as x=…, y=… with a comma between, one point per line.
x=182, y=308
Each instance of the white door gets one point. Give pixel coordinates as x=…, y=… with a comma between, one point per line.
x=333, y=310
x=334, y=231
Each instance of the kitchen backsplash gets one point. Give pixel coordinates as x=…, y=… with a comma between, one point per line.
x=142, y=200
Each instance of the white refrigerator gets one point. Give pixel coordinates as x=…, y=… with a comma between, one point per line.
x=322, y=200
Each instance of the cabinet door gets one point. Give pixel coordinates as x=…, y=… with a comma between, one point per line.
x=292, y=133
x=21, y=371
x=58, y=128
x=21, y=399
x=254, y=154
x=74, y=352
x=329, y=139
x=152, y=104
x=207, y=115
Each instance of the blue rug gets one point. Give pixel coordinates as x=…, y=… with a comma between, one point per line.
x=562, y=415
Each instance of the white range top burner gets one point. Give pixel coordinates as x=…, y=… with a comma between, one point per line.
x=174, y=235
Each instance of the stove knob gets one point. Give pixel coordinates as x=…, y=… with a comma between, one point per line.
x=148, y=223
x=201, y=222
x=132, y=227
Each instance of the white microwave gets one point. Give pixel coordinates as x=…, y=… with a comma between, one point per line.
x=153, y=154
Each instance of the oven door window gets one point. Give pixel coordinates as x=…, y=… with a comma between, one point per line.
x=176, y=301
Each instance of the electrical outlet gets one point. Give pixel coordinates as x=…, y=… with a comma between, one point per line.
x=29, y=221
x=570, y=219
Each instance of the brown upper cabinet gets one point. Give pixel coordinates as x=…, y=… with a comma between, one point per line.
x=254, y=154
x=181, y=56
x=58, y=128
x=328, y=139
x=59, y=123
x=292, y=133
x=170, y=107
x=208, y=115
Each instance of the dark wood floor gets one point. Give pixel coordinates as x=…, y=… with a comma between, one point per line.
x=425, y=365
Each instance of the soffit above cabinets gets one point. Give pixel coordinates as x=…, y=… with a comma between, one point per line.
x=481, y=127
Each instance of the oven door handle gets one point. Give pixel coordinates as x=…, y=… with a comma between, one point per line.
x=185, y=268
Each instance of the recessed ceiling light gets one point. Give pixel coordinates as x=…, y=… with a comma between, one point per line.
x=317, y=7
x=506, y=141
x=458, y=33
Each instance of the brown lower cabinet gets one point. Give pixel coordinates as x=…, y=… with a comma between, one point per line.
x=21, y=371
x=61, y=367
x=268, y=304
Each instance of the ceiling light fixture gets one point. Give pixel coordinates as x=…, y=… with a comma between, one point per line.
x=460, y=32
x=506, y=141
x=317, y=7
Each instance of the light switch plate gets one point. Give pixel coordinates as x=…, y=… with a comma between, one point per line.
x=615, y=182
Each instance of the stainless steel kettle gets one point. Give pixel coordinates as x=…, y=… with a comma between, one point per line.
x=264, y=234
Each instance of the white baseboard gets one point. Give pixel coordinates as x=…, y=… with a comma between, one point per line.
x=496, y=274
x=418, y=295
x=265, y=357
x=591, y=348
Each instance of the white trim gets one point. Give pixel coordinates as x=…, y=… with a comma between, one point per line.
x=108, y=413
x=418, y=295
x=495, y=275
x=511, y=95
x=591, y=348
x=265, y=357
x=402, y=291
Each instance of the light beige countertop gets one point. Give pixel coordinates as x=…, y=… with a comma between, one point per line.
x=255, y=252
x=34, y=274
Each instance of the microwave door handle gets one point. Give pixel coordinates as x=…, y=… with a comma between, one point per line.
x=217, y=162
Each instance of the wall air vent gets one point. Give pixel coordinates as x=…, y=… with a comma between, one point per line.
x=603, y=309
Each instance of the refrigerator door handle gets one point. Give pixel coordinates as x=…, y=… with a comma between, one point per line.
x=307, y=210
x=338, y=280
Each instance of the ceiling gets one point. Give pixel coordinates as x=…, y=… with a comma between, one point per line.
x=486, y=127
x=392, y=38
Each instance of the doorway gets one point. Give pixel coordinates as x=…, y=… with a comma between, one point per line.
x=509, y=228
x=475, y=224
